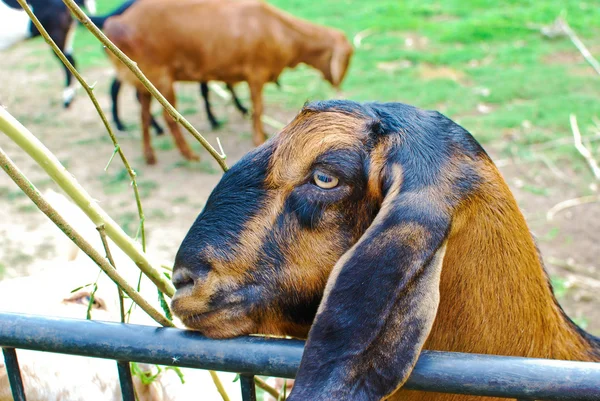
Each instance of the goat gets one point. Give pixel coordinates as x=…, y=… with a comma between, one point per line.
x=49, y=292
x=115, y=87
x=15, y=27
x=376, y=230
x=237, y=41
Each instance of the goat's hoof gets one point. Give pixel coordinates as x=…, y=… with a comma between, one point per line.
x=215, y=125
x=191, y=156
x=150, y=159
x=121, y=127
x=243, y=110
x=66, y=104
x=160, y=132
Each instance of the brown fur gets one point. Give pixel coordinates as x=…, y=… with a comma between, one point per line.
x=226, y=40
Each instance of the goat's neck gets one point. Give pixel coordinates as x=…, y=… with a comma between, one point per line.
x=495, y=296
x=312, y=48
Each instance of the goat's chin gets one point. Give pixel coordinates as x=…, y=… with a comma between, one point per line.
x=216, y=326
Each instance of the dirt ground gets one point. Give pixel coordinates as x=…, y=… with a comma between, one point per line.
x=174, y=192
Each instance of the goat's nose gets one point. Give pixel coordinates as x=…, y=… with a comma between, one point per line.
x=183, y=278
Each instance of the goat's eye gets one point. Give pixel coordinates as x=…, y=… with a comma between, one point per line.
x=324, y=180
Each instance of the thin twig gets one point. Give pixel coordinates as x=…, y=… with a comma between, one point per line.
x=358, y=38
x=571, y=266
x=553, y=143
x=587, y=155
x=85, y=20
x=31, y=191
x=552, y=167
x=265, y=386
x=90, y=305
x=219, y=385
x=559, y=207
x=102, y=233
x=89, y=90
x=579, y=44
x=48, y=161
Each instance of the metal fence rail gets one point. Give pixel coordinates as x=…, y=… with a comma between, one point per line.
x=483, y=375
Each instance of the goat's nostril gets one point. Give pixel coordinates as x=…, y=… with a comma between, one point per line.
x=182, y=279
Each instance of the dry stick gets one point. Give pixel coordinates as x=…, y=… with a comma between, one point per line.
x=102, y=233
x=263, y=384
x=579, y=44
x=559, y=207
x=587, y=155
x=219, y=385
x=358, y=38
x=31, y=191
x=85, y=20
x=28, y=142
x=553, y=143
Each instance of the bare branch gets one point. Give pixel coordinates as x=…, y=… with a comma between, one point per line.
x=265, y=386
x=587, y=155
x=559, y=207
x=102, y=233
x=358, y=38
x=578, y=43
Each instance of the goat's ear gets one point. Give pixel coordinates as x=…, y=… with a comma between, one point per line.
x=338, y=64
x=380, y=301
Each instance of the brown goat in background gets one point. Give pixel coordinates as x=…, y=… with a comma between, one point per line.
x=389, y=230
x=219, y=40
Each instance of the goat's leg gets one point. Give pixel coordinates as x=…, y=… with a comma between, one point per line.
x=70, y=88
x=237, y=102
x=63, y=35
x=159, y=130
x=145, y=99
x=204, y=91
x=182, y=145
x=115, y=88
x=258, y=135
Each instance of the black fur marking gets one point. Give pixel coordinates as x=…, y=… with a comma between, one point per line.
x=238, y=197
x=348, y=333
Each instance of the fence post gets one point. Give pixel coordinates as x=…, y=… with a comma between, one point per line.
x=248, y=389
x=126, y=381
x=14, y=374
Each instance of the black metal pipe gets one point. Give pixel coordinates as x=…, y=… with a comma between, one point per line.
x=14, y=374
x=484, y=375
x=126, y=381
x=248, y=388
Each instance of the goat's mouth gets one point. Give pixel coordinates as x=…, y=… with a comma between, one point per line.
x=222, y=322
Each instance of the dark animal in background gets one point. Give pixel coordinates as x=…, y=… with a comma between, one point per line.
x=375, y=230
x=115, y=88
x=237, y=41
x=15, y=26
